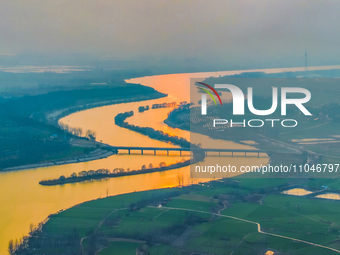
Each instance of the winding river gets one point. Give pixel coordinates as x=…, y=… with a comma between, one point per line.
x=23, y=201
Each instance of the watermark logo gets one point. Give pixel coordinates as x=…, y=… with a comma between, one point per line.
x=239, y=98
x=204, y=97
x=238, y=102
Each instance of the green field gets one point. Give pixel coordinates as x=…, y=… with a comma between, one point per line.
x=120, y=248
x=186, y=220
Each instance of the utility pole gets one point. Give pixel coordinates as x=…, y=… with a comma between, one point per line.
x=305, y=56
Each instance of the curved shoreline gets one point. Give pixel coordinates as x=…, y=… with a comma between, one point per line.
x=55, y=116
x=94, y=155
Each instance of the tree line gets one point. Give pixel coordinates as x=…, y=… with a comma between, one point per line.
x=117, y=172
x=90, y=134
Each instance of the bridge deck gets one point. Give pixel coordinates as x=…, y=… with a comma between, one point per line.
x=129, y=148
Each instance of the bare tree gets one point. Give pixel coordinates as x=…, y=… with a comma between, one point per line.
x=11, y=248
x=180, y=179
x=33, y=227
x=91, y=134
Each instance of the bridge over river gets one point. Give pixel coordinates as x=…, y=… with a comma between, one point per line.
x=212, y=152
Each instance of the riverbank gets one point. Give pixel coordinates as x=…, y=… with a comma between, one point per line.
x=93, y=155
x=55, y=116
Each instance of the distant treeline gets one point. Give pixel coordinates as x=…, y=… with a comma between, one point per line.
x=36, y=106
x=164, y=105
x=157, y=106
x=90, y=134
x=106, y=173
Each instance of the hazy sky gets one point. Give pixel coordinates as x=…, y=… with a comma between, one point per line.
x=231, y=31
